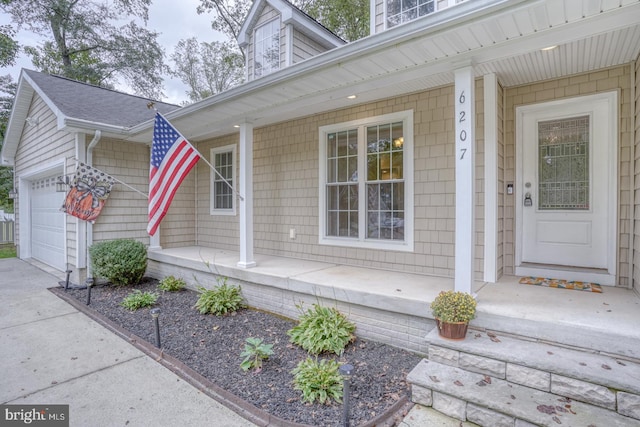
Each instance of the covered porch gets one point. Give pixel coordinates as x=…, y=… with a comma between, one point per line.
x=393, y=307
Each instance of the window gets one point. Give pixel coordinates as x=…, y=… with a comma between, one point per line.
x=366, y=175
x=400, y=11
x=222, y=196
x=267, y=48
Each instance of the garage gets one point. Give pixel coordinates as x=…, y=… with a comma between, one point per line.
x=47, y=223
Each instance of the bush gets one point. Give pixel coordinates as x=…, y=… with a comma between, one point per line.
x=220, y=300
x=138, y=299
x=121, y=262
x=255, y=351
x=171, y=284
x=452, y=307
x=322, y=329
x=318, y=380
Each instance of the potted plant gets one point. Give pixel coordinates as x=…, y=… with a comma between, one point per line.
x=453, y=311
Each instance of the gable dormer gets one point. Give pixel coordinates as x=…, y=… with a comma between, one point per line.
x=386, y=14
x=276, y=34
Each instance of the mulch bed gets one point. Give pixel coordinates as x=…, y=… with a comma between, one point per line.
x=211, y=346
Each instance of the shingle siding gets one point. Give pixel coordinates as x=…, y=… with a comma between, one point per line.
x=304, y=47
x=285, y=177
x=220, y=231
x=125, y=213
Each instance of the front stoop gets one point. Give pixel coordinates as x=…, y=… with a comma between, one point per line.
x=500, y=381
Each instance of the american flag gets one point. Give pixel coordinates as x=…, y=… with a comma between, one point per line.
x=172, y=157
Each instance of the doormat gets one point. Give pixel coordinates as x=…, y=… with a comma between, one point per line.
x=562, y=284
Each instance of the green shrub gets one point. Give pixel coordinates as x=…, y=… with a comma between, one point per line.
x=322, y=329
x=171, y=284
x=138, y=299
x=255, y=351
x=121, y=262
x=319, y=381
x=220, y=300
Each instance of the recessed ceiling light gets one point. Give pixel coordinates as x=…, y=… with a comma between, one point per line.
x=236, y=126
x=352, y=97
x=549, y=48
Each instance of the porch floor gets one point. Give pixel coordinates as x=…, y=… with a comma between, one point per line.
x=607, y=322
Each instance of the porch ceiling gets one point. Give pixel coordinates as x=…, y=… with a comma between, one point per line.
x=502, y=37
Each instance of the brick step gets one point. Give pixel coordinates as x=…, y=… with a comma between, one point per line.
x=540, y=365
x=490, y=401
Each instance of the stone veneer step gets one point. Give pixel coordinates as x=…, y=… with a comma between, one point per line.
x=494, y=402
x=504, y=356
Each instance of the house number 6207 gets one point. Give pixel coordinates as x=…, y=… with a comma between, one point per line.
x=462, y=117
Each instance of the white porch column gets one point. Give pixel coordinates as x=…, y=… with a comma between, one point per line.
x=246, y=191
x=154, y=241
x=465, y=178
x=490, y=178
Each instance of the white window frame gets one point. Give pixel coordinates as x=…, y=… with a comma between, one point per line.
x=406, y=117
x=255, y=49
x=219, y=150
x=436, y=7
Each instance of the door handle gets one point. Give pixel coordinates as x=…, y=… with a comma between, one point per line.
x=527, y=199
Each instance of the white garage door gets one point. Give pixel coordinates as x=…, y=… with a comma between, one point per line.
x=47, y=223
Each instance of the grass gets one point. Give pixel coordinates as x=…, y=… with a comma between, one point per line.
x=7, y=251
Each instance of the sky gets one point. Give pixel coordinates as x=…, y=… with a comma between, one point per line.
x=174, y=20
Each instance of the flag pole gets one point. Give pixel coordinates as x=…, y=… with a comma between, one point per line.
x=114, y=178
x=151, y=105
x=221, y=177
x=130, y=187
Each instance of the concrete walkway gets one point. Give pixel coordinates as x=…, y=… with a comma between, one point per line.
x=53, y=354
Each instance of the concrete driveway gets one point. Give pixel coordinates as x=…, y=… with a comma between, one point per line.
x=53, y=354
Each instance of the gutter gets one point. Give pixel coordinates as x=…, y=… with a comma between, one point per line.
x=98, y=127
x=632, y=176
x=92, y=144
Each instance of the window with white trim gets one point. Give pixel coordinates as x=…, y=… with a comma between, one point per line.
x=222, y=196
x=266, y=57
x=401, y=11
x=366, y=176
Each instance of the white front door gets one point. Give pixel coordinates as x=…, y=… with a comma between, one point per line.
x=566, y=194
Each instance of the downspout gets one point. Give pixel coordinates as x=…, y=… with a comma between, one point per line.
x=632, y=174
x=92, y=144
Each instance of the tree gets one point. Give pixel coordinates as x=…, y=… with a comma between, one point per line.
x=207, y=68
x=348, y=19
x=84, y=43
x=8, y=46
x=231, y=14
x=8, y=90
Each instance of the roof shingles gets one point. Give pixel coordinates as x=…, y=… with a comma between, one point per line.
x=83, y=101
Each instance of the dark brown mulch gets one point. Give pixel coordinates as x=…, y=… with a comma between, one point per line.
x=212, y=345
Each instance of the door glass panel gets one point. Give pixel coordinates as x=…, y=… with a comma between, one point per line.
x=563, y=164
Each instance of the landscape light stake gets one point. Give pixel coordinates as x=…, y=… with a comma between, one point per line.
x=347, y=372
x=66, y=283
x=89, y=286
x=155, y=314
